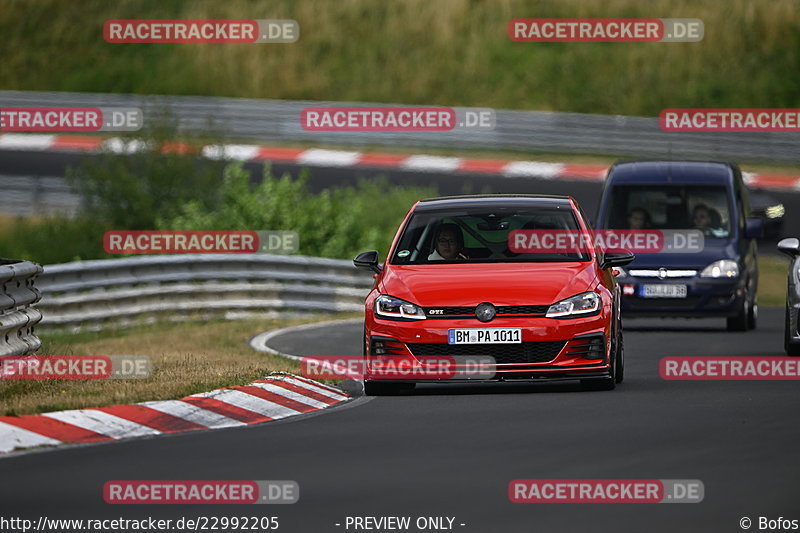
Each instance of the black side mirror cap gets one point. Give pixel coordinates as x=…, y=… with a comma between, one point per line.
x=790, y=246
x=753, y=228
x=616, y=259
x=368, y=261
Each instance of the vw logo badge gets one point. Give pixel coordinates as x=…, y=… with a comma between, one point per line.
x=662, y=273
x=485, y=312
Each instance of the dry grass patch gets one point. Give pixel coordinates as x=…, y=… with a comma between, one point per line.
x=186, y=358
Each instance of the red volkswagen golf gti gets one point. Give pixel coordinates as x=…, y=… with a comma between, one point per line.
x=453, y=288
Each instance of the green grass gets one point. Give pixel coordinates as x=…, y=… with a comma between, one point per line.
x=772, y=272
x=453, y=52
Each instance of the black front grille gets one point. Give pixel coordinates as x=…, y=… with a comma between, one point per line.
x=526, y=352
x=522, y=309
x=451, y=311
x=532, y=310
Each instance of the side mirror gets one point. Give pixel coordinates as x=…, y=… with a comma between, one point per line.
x=790, y=246
x=616, y=259
x=753, y=228
x=368, y=261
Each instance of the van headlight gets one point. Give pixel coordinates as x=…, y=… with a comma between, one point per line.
x=724, y=268
x=393, y=308
x=582, y=304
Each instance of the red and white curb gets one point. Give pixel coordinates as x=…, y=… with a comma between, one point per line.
x=278, y=396
x=341, y=158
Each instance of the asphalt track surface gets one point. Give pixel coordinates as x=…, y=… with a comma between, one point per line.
x=452, y=450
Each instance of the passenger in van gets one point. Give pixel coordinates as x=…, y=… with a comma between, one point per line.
x=449, y=243
x=701, y=217
x=708, y=220
x=639, y=218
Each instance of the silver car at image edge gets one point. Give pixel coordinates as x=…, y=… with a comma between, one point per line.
x=791, y=341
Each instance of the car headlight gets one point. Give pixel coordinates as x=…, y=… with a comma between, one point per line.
x=724, y=268
x=390, y=307
x=582, y=304
x=622, y=272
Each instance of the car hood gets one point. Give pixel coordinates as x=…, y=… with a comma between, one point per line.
x=498, y=283
x=713, y=250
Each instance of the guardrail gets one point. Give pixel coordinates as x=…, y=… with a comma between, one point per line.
x=124, y=292
x=530, y=131
x=17, y=317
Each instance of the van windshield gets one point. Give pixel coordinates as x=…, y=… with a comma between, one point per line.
x=673, y=207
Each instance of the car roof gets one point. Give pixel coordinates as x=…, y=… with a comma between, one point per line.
x=493, y=200
x=679, y=172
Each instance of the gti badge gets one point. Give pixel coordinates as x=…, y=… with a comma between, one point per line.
x=485, y=312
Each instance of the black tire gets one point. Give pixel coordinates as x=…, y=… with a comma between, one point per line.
x=739, y=322
x=372, y=388
x=619, y=375
x=752, y=316
x=791, y=349
x=609, y=383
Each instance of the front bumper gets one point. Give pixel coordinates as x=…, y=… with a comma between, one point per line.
x=551, y=349
x=705, y=297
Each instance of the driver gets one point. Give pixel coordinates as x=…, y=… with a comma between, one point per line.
x=708, y=220
x=449, y=244
x=701, y=217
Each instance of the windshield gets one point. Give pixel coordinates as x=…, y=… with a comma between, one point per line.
x=480, y=236
x=705, y=208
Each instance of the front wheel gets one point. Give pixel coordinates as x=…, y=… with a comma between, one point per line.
x=620, y=370
x=609, y=383
x=791, y=349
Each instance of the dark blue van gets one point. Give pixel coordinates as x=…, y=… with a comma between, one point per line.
x=720, y=280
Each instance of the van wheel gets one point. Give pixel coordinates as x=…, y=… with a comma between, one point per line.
x=752, y=317
x=739, y=322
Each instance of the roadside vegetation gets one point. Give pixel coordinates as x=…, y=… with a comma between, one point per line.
x=152, y=189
